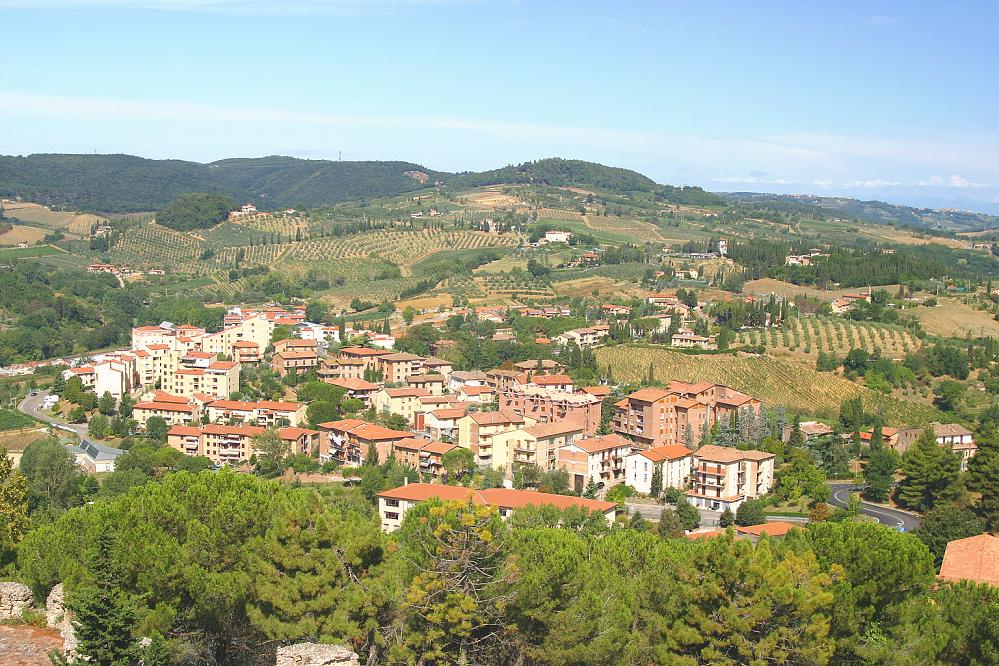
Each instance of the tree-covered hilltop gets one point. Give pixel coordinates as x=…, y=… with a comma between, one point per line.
x=281, y=182
x=104, y=183
x=196, y=210
x=559, y=173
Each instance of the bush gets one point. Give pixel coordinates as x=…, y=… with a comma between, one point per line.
x=751, y=512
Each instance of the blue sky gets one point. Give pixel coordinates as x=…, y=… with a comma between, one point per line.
x=889, y=100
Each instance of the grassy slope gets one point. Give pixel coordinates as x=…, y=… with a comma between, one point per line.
x=774, y=381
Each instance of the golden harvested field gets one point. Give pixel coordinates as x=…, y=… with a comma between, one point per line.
x=21, y=234
x=74, y=223
x=426, y=302
x=955, y=319
x=491, y=198
x=604, y=285
x=893, y=235
x=774, y=381
x=766, y=286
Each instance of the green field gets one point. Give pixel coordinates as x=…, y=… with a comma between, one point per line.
x=26, y=252
x=11, y=420
x=774, y=381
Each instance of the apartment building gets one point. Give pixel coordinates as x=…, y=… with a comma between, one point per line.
x=294, y=360
x=476, y=431
x=501, y=380
x=600, y=460
x=402, y=401
x=544, y=366
x=549, y=405
x=423, y=454
x=658, y=416
x=459, y=379
x=723, y=477
x=443, y=423
x=341, y=368
x=357, y=388
x=347, y=441
x=367, y=357
x=482, y=395
x=674, y=459
x=265, y=413
x=431, y=382
x=582, y=337
x=437, y=366
x=393, y=504
x=395, y=368
x=217, y=378
x=538, y=444
x=230, y=445
x=960, y=440
x=174, y=412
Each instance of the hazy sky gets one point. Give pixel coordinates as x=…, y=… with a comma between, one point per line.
x=890, y=100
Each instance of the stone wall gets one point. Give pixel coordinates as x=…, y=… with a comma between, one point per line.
x=15, y=598
x=315, y=654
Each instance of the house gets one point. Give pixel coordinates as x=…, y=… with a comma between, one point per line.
x=461, y=378
x=476, y=431
x=554, y=382
x=975, y=559
x=550, y=405
x=687, y=339
x=437, y=366
x=536, y=444
x=432, y=383
x=582, y=337
x=357, y=388
x=958, y=438
x=557, y=236
x=542, y=365
x=723, y=477
x=443, y=423
x=302, y=360
x=246, y=351
x=395, y=368
x=393, y=504
x=600, y=460
x=218, y=378
x=263, y=413
x=95, y=458
x=674, y=460
x=501, y=380
x=341, y=368
x=401, y=401
x=348, y=441
x=774, y=530
x=664, y=300
x=810, y=430
x=423, y=454
x=615, y=310
x=367, y=357
x=482, y=395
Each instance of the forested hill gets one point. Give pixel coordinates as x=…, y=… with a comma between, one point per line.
x=290, y=182
x=104, y=183
x=560, y=173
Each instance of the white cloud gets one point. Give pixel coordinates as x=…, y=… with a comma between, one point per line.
x=876, y=183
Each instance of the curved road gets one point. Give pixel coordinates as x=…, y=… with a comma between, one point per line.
x=891, y=517
x=31, y=406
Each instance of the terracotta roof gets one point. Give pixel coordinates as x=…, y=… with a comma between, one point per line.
x=726, y=454
x=554, y=428
x=451, y=413
x=295, y=433
x=420, y=492
x=950, y=430
x=295, y=354
x=364, y=351
x=975, y=558
x=354, y=384
x=775, y=529
x=165, y=406
x=649, y=394
x=241, y=430
x=554, y=380
x=365, y=430
x=670, y=452
x=223, y=365
x=603, y=443
x=495, y=418
x=400, y=357
x=686, y=403
x=515, y=499
x=476, y=390
x=184, y=431
x=706, y=535
x=439, y=447
x=272, y=405
x=245, y=344
x=599, y=391
x=407, y=392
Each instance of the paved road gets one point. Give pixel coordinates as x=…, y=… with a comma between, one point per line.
x=31, y=406
x=653, y=511
x=885, y=516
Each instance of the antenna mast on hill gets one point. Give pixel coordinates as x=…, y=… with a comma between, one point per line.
x=339, y=156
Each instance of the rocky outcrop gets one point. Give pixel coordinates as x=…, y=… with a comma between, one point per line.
x=15, y=598
x=316, y=654
x=55, y=611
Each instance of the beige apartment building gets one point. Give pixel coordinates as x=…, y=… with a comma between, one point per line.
x=402, y=401
x=538, y=444
x=230, y=445
x=600, y=460
x=476, y=431
x=266, y=413
x=723, y=477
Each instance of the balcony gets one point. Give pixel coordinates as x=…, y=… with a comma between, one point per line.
x=715, y=470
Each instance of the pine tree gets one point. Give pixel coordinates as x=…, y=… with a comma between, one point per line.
x=371, y=457
x=726, y=518
x=932, y=474
x=657, y=480
x=106, y=404
x=983, y=477
x=13, y=501
x=877, y=437
x=650, y=377
x=796, y=440
x=670, y=525
x=780, y=422
x=103, y=616
x=688, y=436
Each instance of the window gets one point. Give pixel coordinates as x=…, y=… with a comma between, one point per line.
x=391, y=515
x=391, y=502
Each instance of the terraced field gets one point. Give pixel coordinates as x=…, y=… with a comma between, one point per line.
x=809, y=335
x=154, y=246
x=398, y=247
x=774, y=381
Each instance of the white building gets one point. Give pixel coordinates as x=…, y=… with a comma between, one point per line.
x=675, y=460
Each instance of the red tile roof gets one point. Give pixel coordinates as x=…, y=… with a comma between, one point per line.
x=670, y=452
x=975, y=558
x=774, y=529
x=165, y=407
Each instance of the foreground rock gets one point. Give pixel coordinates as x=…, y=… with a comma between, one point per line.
x=316, y=654
x=15, y=598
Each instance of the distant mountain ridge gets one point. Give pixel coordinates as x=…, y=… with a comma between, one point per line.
x=878, y=212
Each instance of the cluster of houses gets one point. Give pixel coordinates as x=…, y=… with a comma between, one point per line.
x=122, y=270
